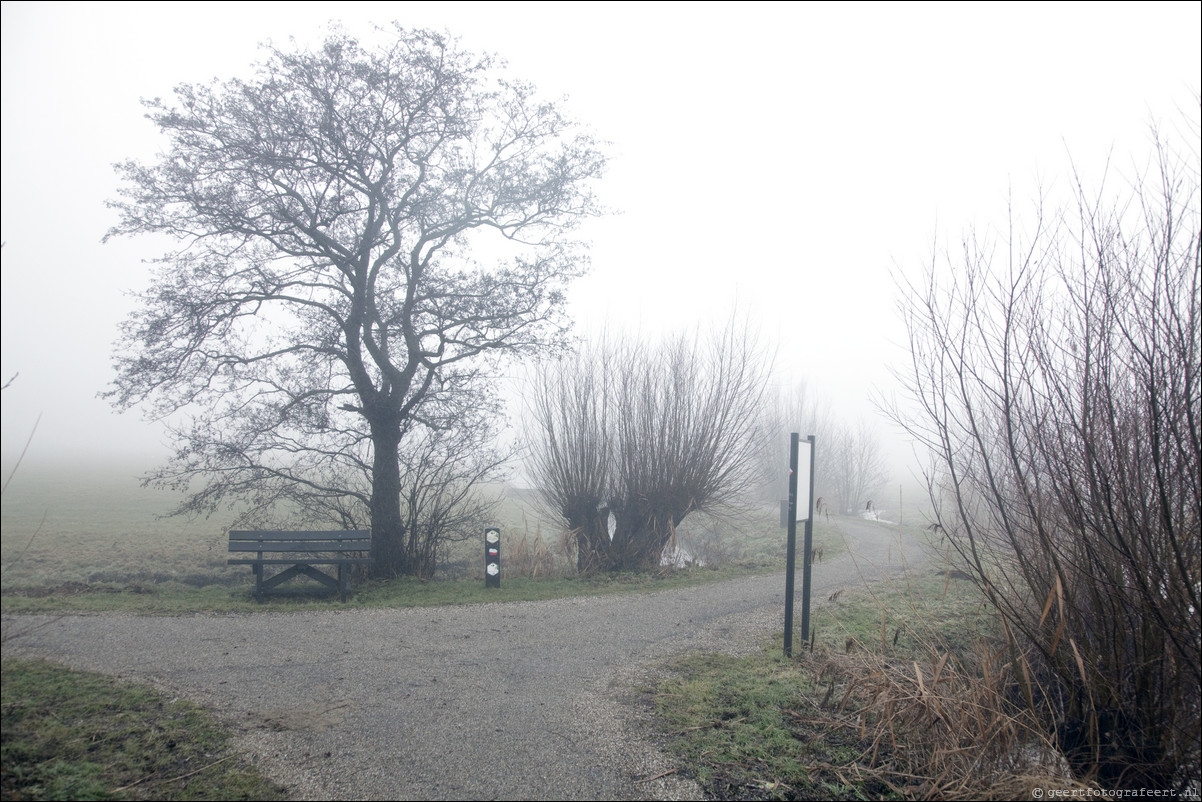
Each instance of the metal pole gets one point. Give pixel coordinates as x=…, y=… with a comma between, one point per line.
x=807, y=560
x=791, y=551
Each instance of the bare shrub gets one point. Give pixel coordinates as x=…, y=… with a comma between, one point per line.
x=1059, y=390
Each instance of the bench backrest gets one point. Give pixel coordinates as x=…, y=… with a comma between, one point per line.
x=338, y=540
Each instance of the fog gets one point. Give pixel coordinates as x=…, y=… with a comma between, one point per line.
x=787, y=158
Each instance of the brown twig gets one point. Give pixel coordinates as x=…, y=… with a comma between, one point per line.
x=171, y=779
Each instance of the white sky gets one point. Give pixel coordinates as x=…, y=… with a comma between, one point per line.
x=785, y=155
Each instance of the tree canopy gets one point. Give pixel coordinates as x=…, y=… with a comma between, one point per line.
x=326, y=318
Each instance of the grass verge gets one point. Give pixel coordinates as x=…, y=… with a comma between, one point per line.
x=177, y=599
x=731, y=720
x=902, y=696
x=77, y=735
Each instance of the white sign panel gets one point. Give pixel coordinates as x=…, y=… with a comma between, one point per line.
x=803, y=480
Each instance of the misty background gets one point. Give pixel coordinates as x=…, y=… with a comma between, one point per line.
x=790, y=159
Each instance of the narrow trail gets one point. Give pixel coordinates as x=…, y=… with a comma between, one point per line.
x=525, y=700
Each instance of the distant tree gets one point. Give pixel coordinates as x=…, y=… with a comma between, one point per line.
x=855, y=466
x=648, y=435
x=324, y=318
x=1058, y=382
x=796, y=408
x=850, y=466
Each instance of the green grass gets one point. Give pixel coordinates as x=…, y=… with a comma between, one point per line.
x=903, y=618
x=756, y=727
x=175, y=599
x=731, y=721
x=76, y=735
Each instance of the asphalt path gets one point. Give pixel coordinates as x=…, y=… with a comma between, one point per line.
x=522, y=700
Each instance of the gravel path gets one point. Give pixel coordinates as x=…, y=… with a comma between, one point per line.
x=529, y=700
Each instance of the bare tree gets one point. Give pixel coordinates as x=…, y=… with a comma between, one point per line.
x=1059, y=387
x=797, y=408
x=446, y=474
x=324, y=318
x=855, y=467
x=627, y=439
x=850, y=465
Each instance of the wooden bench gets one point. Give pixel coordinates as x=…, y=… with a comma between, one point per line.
x=301, y=551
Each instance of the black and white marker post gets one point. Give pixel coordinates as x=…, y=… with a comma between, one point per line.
x=795, y=509
x=492, y=558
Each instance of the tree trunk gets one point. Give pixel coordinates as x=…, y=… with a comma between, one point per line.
x=387, y=526
x=641, y=536
x=592, y=535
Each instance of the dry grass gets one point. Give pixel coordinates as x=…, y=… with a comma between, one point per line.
x=924, y=677
x=908, y=690
x=944, y=727
x=535, y=556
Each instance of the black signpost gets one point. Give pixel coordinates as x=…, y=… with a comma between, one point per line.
x=492, y=557
x=807, y=561
x=791, y=547
x=807, y=546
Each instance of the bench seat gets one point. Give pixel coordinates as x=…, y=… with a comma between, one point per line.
x=301, y=550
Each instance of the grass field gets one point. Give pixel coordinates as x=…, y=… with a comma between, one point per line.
x=86, y=526
x=89, y=540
